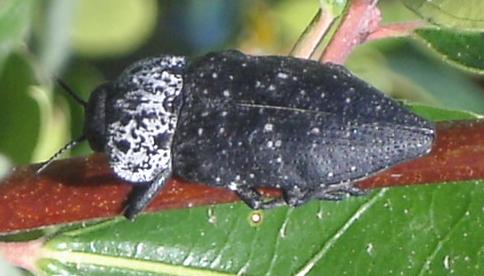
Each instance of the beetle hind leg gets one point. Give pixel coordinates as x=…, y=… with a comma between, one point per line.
x=256, y=201
x=339, y=191
x=295, y=197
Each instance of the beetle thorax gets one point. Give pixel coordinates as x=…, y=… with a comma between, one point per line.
x=144, y=117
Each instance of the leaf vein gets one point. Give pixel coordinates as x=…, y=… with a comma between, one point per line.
x=443, y=240
x=330, y=242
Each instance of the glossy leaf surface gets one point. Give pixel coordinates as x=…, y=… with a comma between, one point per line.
x=464, y=49
x=434, y=229
x=466, y=15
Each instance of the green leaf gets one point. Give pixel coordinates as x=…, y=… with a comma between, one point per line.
x=450, y=87
x=112, y=27
x=55, y=35
x=293, y=17
x=334, y=7
x=440, y=114
x=432, y=229
x=15, y=16
x=19, y=122
x=466, y=14
x=464, y=49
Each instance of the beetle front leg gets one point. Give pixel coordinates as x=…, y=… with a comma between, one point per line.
x=255, y=200
x=141, y=196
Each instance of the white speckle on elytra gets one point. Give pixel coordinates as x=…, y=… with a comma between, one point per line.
x=205, y=91
x=200, y=131
x=315, y=130
x=330, y=174
x=224, y=113
x=353, y=168
x=323, y=95
x=335, y=77
x=282, y=75
x=348, y=100
x=244, y=64
x=272, y=87
x=302, y=92
x=278, y=143
x=214, y=75
x=233, y=186
x=226, y=93
x=268, y=127
x=221, y=130
x=257, y=84
x=270, y=144
x=251, y=175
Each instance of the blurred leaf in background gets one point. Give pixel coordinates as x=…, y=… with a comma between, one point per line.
x=466, y=14
x=15, y=19
x=112, y=28
x=87, y=42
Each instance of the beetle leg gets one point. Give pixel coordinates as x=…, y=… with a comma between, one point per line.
x=339, y=191
x=255, y=200
x=333, y=195
x=295, y=197
x=141, y=196
x=355, y=191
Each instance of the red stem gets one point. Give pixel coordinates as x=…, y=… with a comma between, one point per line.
x=85, y=188
x=362, y=18
x=394, y=30
x=22, y=254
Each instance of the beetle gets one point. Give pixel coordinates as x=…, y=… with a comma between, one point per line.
x=243, y=122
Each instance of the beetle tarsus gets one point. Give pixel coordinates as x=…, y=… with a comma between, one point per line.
x=256, y=201
x=295, y=197
x=339, y=192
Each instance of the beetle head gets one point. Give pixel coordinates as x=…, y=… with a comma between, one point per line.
x=143, y=102
x=95, y=117
x=94, y=124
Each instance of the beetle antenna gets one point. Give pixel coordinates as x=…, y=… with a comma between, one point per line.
x=71, y=92
x=69, y=146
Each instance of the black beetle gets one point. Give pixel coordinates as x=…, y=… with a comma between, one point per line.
x=244, y=122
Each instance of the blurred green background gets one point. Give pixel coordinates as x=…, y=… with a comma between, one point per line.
x=87, y=42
